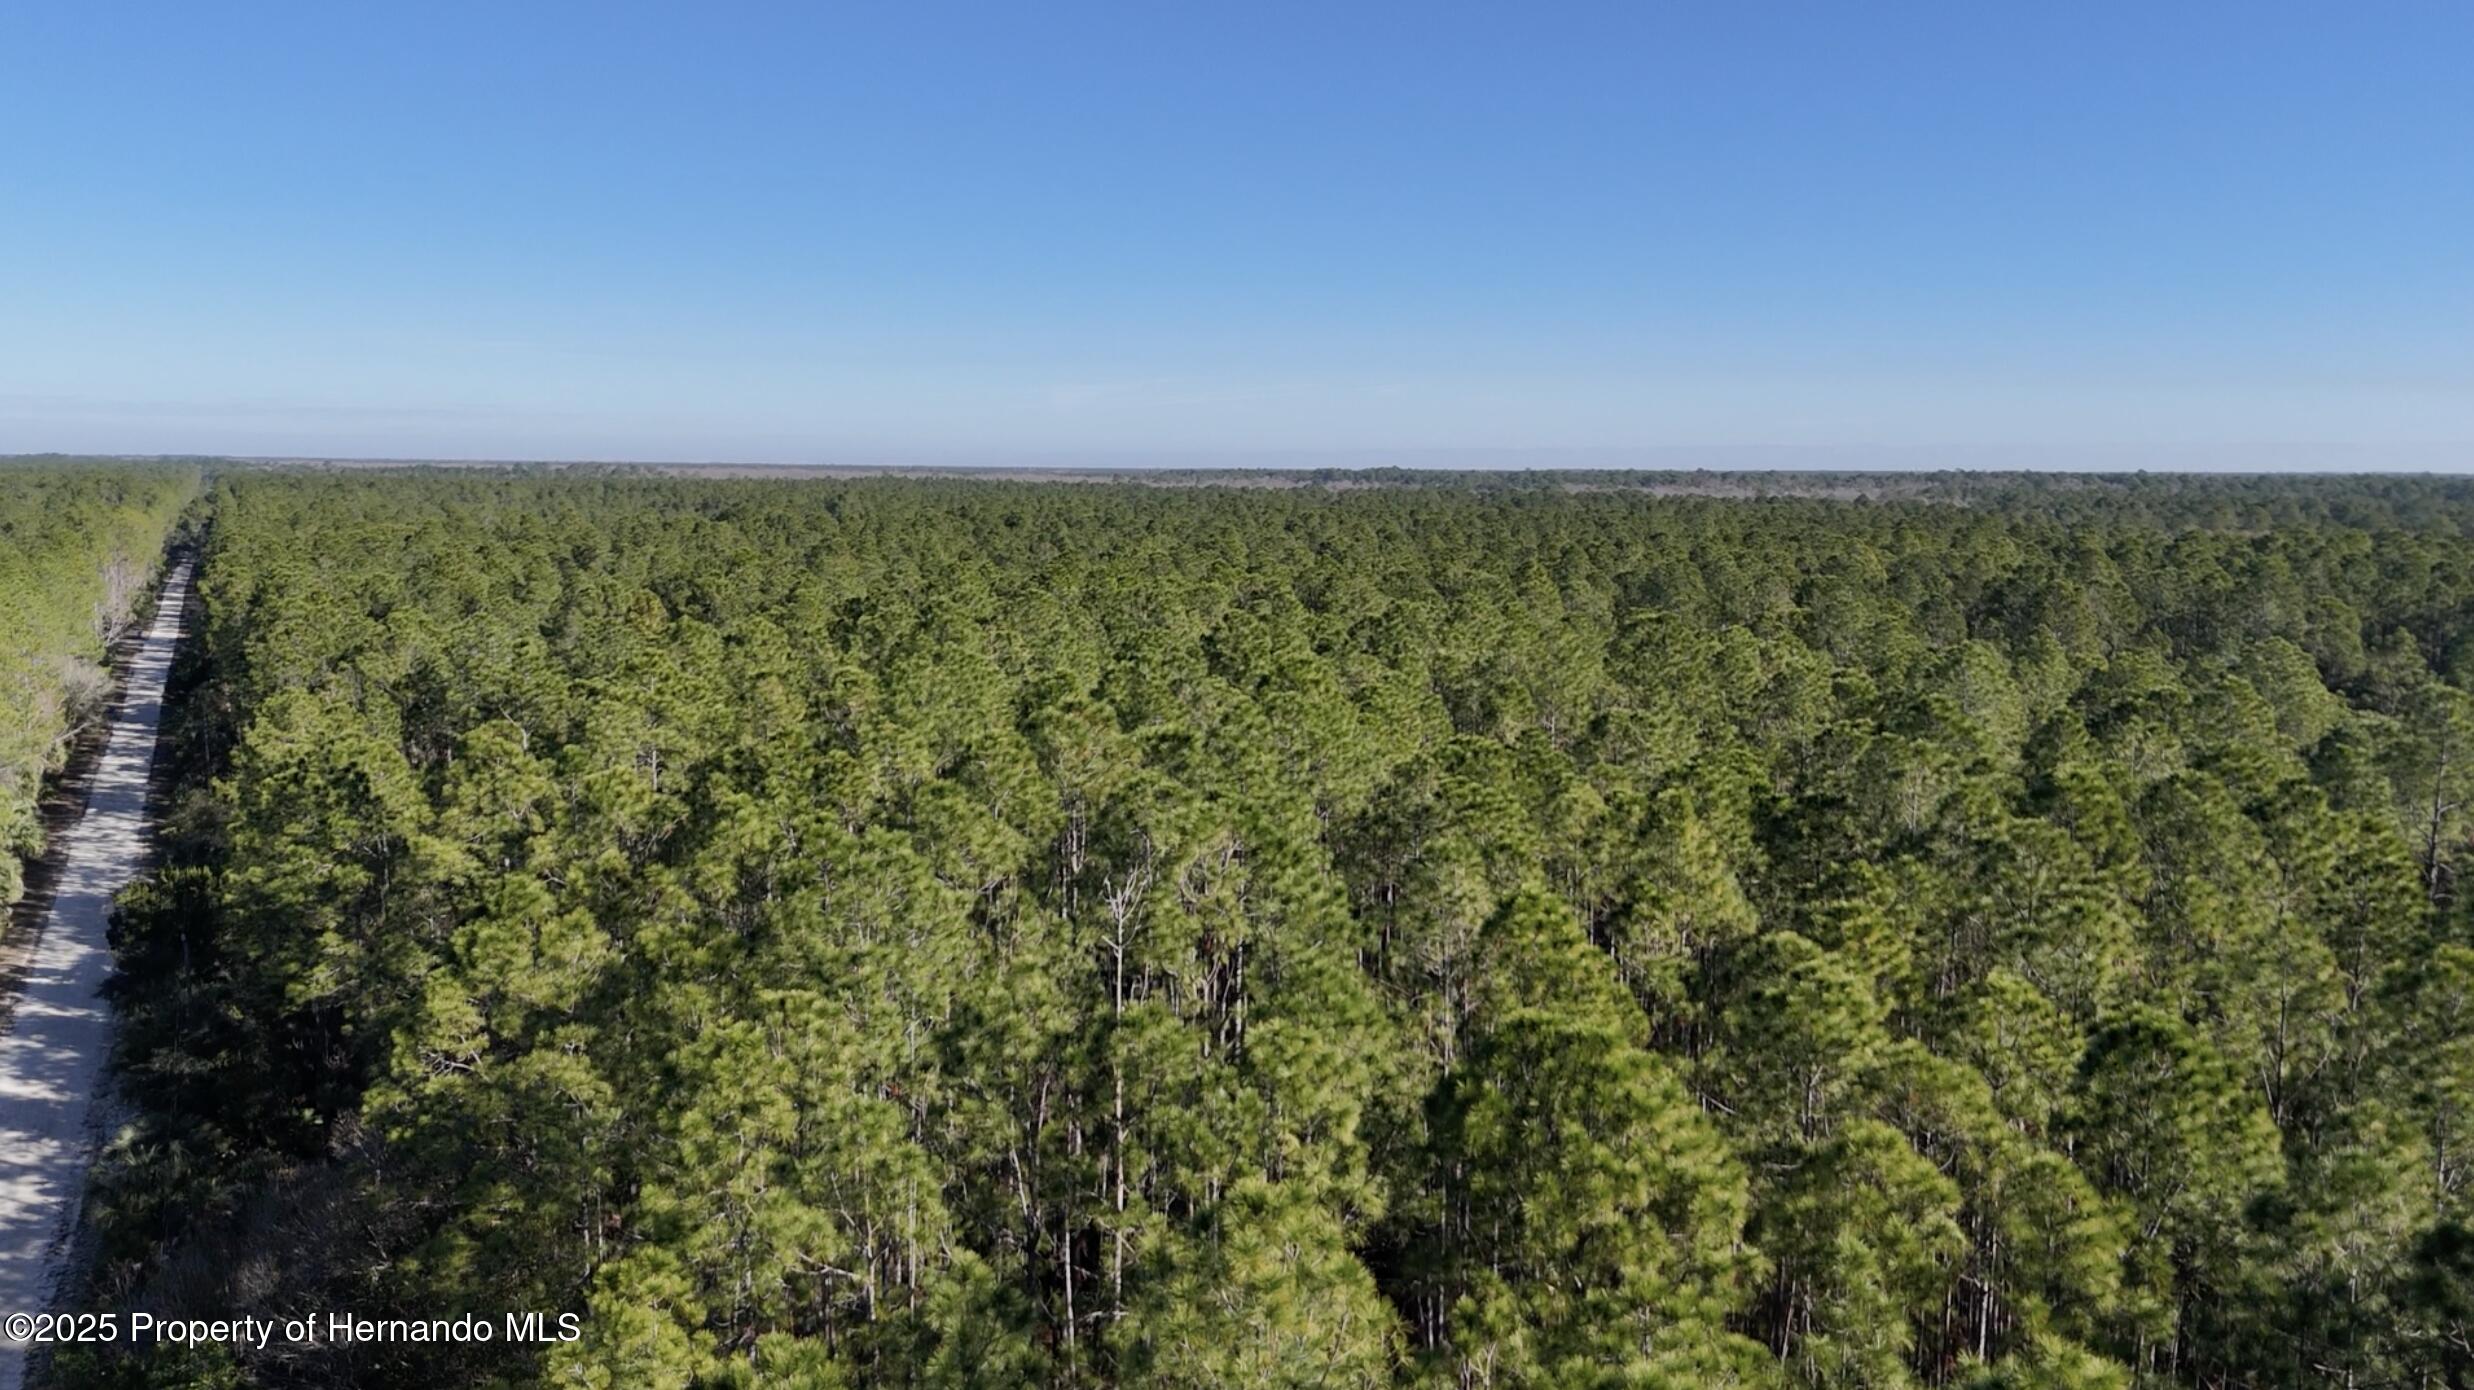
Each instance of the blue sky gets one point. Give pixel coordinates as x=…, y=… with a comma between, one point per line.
x=1888, y=231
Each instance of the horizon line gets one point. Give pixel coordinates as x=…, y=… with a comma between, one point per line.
x=2283, y=458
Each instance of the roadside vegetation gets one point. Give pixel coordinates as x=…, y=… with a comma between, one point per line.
x=981, y=934
x=80, y=545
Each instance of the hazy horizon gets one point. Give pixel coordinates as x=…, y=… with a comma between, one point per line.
x=2225, y=459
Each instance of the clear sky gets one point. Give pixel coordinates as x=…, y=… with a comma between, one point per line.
x=786, y=232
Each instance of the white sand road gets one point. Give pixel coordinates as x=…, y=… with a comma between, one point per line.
x=51, y=1059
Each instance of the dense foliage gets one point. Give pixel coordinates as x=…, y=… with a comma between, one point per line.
x=974, y=934
x=78, y=544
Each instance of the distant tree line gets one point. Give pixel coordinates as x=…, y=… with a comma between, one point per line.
x=964, y=934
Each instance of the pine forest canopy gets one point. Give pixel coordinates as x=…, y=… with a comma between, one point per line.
x=1476, y=933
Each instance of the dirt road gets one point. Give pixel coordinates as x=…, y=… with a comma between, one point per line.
x=51, y=1060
